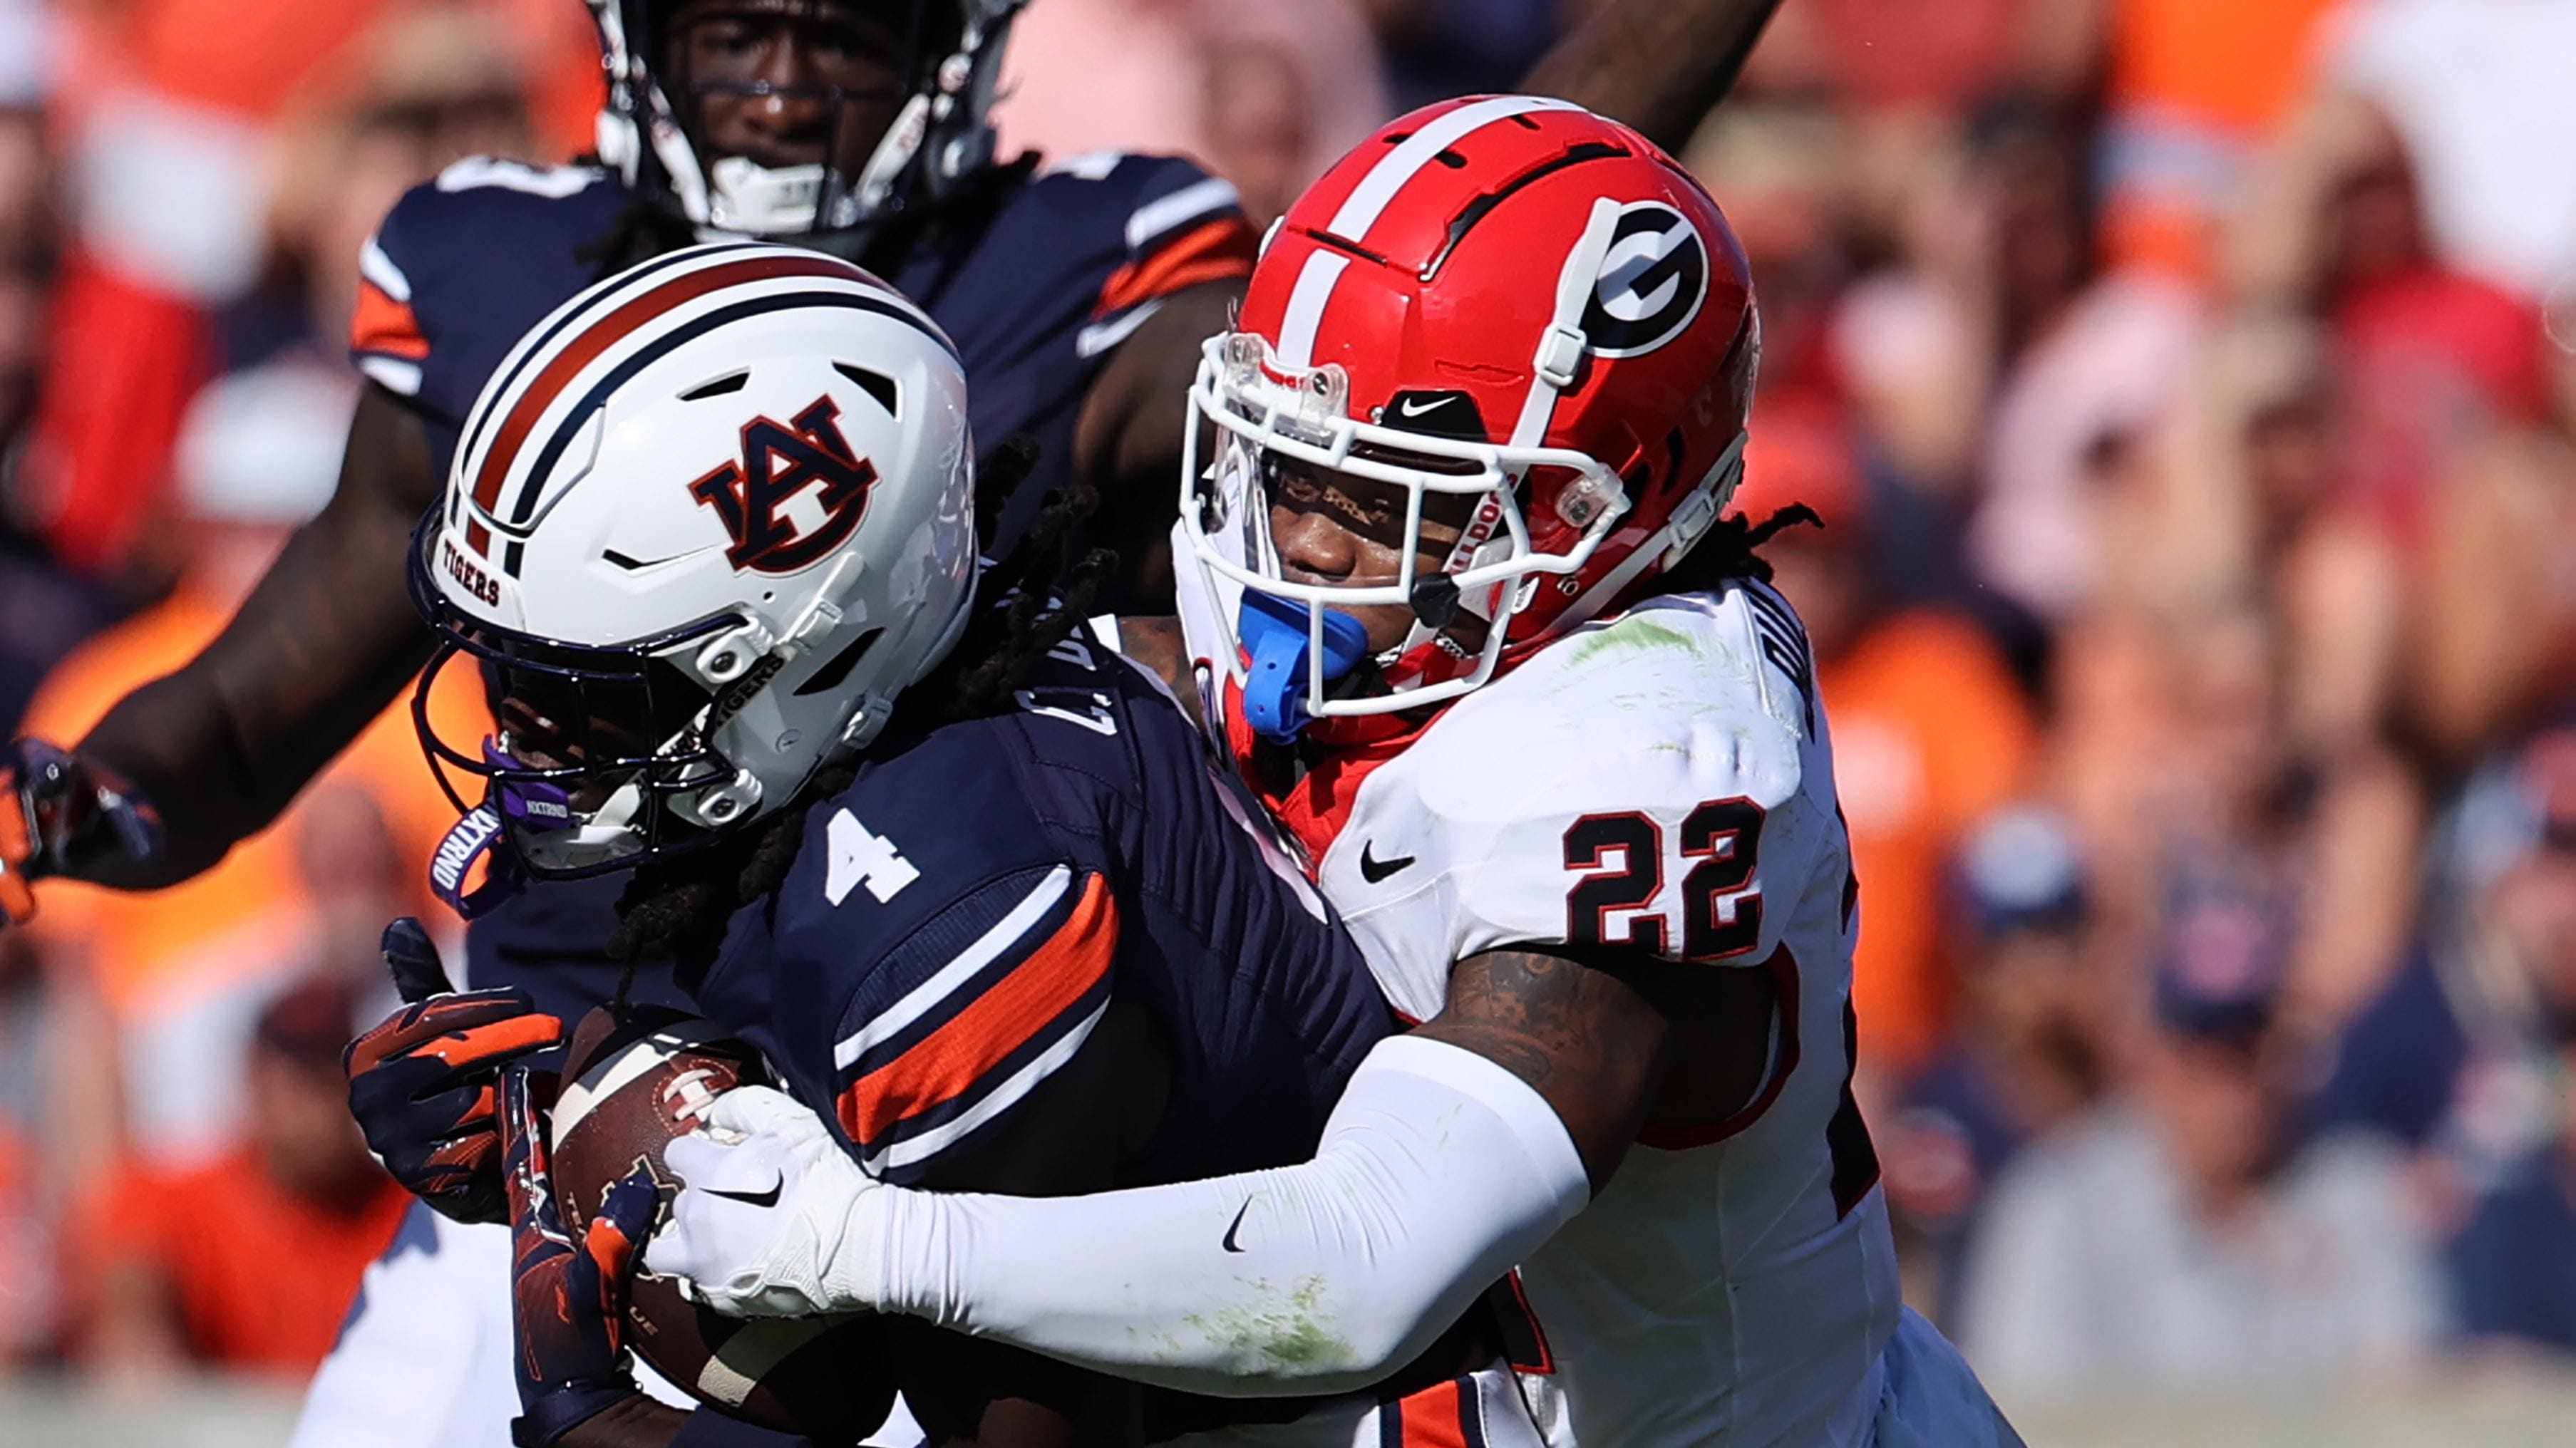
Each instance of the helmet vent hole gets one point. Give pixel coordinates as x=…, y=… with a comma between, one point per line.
x=874, y=384
x=1450, y=159
x=717, y=387
x=831, y=674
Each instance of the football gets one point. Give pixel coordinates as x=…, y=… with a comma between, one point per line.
x=634, y=1081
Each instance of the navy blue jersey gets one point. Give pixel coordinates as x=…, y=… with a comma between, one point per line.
x=1036, y=285
x=961, y=915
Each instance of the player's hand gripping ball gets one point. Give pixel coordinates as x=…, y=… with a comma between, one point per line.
x=568, y=1285
x=773, y=1218
x=635, y=1084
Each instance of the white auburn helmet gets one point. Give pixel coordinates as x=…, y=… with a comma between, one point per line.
x=704, y=524
x=939, y=137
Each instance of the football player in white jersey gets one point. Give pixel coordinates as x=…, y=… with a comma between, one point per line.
x=1469, y=617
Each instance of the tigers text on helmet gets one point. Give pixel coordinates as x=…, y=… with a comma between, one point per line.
x=944, y=76
x=1524, y=326
x=704, y=524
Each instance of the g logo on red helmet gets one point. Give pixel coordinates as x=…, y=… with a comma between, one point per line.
x=1653, y=280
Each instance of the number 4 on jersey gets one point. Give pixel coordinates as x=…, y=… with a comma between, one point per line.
x=1720, y=916
x=860, y=856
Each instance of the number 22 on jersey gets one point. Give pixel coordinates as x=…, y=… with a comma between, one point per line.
x=1624, y=851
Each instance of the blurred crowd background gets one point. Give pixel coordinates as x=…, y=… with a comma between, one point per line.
x=2188, y=388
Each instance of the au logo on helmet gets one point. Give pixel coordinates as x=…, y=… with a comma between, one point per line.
x=1653, y=279
x=780, y=461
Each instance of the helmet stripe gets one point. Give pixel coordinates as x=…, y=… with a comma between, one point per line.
x=622, y=323
x=1305, y=314
x=1360, y=210
x=1368, y=201
x=534, y=346
x=660, y=347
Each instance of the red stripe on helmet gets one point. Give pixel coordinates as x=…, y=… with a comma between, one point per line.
x=586, y=346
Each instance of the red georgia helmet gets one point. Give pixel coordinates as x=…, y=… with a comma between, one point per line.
x=1535, y=301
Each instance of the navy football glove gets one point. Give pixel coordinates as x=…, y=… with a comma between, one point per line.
x=567, y=1291
x=60, y=813
x=422, y=1082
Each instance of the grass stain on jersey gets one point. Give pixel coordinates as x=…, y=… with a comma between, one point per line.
x=1290, y=1334
x=1635, y=634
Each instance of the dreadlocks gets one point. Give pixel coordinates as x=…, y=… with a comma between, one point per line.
x=1026, y=606
x=1726, y=553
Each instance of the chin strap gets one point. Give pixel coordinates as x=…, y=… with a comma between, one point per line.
x=750, y=199
x=1278, y=634
x=484, y=835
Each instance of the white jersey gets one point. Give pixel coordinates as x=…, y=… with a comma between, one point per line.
x=1662, y=780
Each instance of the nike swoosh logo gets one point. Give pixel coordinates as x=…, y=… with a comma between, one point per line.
x=1374, y=870
x=1237, y=1226
x=1409, y=408
x=638, y=565
x=765, y=1199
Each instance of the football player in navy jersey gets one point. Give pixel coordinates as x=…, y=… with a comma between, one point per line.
x=970, y=881
x=1076, y=294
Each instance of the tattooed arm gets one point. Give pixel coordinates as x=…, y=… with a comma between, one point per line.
x=1612, y=1040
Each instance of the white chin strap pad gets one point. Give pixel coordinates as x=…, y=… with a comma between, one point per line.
x=755, y=200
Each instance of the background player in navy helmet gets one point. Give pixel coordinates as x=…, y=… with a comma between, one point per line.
x=1077, y=297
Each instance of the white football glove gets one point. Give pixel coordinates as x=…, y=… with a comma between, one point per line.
x=773, y=1218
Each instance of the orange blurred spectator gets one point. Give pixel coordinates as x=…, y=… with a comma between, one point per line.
x=245, y=1261
x=1930, y=732
x=2195, y=85
x=259, y=455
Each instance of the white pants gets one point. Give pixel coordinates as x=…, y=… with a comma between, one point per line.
x=424, y=1359
x=1932, y=1398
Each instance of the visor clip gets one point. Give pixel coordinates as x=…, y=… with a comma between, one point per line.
x=1435, y=600
x=732, y=655
x=1560, y=353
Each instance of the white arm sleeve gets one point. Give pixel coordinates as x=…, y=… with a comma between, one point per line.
x=1438, y=1172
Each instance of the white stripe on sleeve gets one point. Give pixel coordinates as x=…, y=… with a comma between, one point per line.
x=1099, y=337
x=379, y=268
x=996, y=1101
x=1187, y=204
x=393, y=374
x=987, y=948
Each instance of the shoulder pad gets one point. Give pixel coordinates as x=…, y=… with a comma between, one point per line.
x=1642, y=783
x=464, y=263
x=1153, y=226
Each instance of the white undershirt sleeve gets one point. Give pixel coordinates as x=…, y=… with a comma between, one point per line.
x=1437, y=1173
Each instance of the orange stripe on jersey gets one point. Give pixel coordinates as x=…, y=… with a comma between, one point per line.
x=1213, y=250
x=947, y=1063
x=382, y=325
x=1435, y=1417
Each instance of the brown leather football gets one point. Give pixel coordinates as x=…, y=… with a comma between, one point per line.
x=634, y=1082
